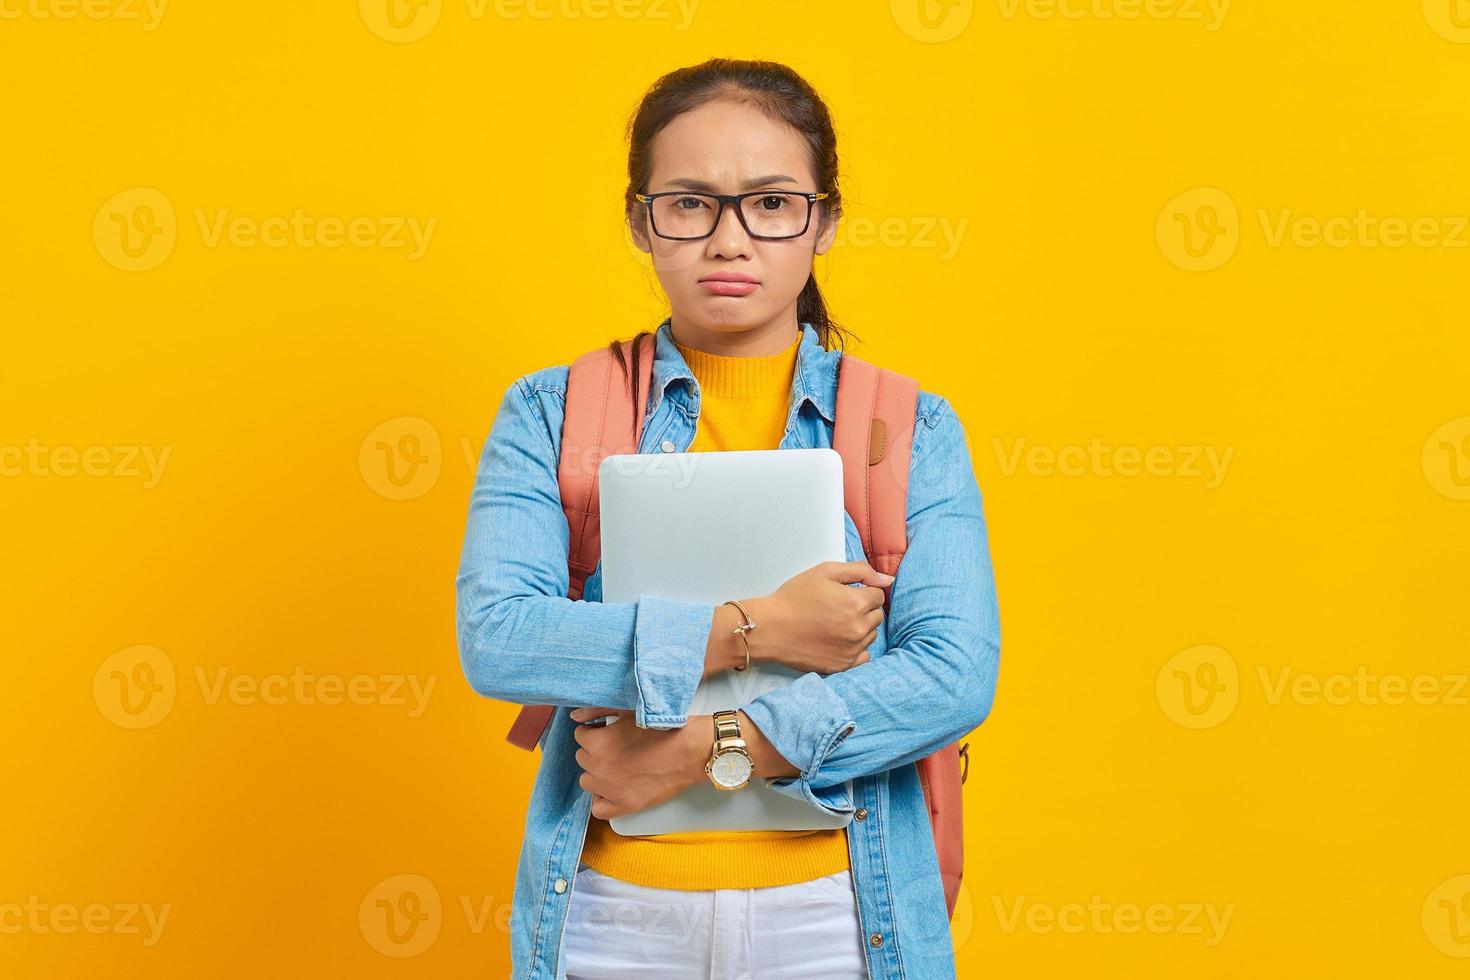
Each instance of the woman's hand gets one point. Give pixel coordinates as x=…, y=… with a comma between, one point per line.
x=628, y=769
x=817, y=621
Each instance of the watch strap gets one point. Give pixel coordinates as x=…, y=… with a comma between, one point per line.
x=727, y=726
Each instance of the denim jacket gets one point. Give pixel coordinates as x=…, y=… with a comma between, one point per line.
x=930, y=681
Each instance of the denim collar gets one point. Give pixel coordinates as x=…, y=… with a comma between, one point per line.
x=815, y=379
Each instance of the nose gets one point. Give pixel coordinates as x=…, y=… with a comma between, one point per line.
x=729, y=240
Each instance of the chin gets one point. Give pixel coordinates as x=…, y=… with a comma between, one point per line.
x=730, y=313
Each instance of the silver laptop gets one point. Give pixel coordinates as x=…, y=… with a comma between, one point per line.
x=711, y=526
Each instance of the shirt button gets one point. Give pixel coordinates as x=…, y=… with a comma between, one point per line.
x=876, y=939
x=561, y=885
x=862, y=813
x=667, y=446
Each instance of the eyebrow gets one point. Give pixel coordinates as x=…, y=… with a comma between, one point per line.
x=702, y=185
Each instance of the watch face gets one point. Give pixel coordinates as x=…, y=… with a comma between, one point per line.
x=730, y=768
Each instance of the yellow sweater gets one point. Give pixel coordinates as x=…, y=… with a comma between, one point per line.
x=743, y=405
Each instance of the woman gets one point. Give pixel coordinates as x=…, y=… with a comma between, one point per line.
x=745, y=360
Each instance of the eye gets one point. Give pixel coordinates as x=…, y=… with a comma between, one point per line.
x=772, y=202
x=690, y=203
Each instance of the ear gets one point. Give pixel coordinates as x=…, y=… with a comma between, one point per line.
x=638, y=228
x=827, y=232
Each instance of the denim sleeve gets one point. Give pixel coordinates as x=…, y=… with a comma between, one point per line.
x=520, y=638
x=935, y=681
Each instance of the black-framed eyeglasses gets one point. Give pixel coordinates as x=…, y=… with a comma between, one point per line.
x=687, y=216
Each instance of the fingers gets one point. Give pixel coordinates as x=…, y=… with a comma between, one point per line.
x=587, y=714
x=856, y=571
x=591, y=784
x=862, y=653
x=602, y=806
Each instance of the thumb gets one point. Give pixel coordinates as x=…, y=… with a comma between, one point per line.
x=859, y=571
x=587, y=714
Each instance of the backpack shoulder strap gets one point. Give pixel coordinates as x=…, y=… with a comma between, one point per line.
x=600, y=421
x=604, y=416
x=874, y=434
x=876, y=414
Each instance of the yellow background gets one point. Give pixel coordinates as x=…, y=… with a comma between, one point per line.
x=1067, y=152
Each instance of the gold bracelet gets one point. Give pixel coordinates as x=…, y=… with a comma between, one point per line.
x=742, y=629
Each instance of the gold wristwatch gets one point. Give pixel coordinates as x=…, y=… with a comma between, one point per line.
x=729, y=766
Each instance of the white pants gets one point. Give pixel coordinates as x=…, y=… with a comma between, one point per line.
x=616, y=929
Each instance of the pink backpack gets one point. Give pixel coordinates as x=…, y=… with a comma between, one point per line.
x=875, y=422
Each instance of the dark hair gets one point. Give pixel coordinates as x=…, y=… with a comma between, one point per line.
x=783, y=95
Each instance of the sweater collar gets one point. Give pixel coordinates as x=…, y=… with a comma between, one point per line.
x=814, y=380
x=763, y=376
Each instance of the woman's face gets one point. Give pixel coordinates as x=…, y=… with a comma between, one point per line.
x=728, y=147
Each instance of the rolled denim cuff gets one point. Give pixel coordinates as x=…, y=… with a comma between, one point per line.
x=805, y=720
x=670, y=638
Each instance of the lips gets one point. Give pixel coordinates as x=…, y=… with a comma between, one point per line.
x=729, y=283
x=729, y=277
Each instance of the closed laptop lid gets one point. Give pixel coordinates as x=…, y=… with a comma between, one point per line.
x=711, y=526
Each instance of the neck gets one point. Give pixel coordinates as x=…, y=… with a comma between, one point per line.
x=761, y=340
